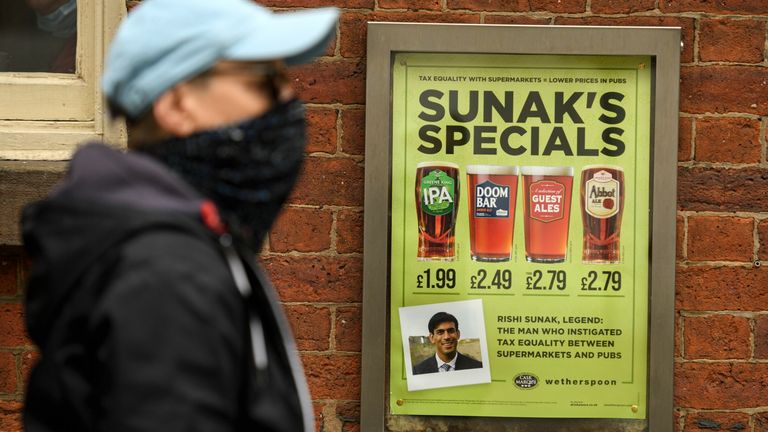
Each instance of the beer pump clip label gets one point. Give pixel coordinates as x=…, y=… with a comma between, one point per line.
x=437, y=193
x=602, y=195
x=547, y=199
x=491, y=200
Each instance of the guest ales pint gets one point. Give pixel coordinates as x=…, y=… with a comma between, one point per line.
x=437, y=201
x=602, y=205
x=547, y=205
x=492, y=198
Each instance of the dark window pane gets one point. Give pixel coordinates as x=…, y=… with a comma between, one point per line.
x=38, y=35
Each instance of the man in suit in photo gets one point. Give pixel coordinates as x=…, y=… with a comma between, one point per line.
x=444, y=334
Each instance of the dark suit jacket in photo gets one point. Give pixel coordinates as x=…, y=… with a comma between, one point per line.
x=430, y=364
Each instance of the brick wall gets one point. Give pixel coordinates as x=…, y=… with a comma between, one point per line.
x=315, y=251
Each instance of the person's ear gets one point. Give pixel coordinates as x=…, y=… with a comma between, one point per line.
x=171, y=113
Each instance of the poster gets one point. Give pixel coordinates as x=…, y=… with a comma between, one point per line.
x=520, y=187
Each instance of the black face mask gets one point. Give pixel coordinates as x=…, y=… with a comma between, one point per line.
x=247, y=169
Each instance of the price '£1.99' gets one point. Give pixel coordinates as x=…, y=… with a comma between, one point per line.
x=440, y=278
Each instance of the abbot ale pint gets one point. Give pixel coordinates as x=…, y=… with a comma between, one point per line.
x=602, y=205
x=492, y=192
x=437, y=202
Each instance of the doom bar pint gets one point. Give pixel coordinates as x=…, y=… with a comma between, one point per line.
x=547, y=206
x=437, y=202
x=602, y=204
x=492, y=197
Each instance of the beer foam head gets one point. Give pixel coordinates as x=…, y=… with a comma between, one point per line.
x=492, y=169
x=437, y=164
x=547, y=170
x=611, y=167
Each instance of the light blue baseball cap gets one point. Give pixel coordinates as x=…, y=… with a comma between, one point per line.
x=165, y=42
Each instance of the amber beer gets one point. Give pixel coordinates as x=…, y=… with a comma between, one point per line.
x=602, y=204
x=547, y=208
x=437, y=202
x=492, y=197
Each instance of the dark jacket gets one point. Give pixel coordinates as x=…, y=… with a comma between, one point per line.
x=140, y=323
x=429, y=365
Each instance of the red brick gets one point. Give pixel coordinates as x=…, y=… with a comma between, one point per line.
x=349, y=327
x=515, y=19
x=735, y=140
x=680, y=240
x=349, y=231
x=311, y=326
x=28, y=360
x=678, y=336
x=349, y=414
x=330, y=82
x=352, y=4
x=761, y=337
x=714, y=238
x=10, y=416
x=12, y=322
x=321, y=130
x=731, y=40
x=333, y=377
x=490, y=5
x=353, y=131
x=717, y=337
x=622, y=6
x=685, y=138
x=8, y=380
x=722, y=189
x=319, y=408
x=724, y=89
x=760, y=421
x=434, y=5
x=330, y=181
x=721, y=385
x=353, y=27
x=302, y=230
x=712, y=420
x=679, y=419
x=687, y=24
x=748, y=7
x=559, y=6
x=762, y=236
x=317, y=278
x=9, y=271
x=721, y=288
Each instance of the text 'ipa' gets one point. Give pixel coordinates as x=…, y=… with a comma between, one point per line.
x=492, y=192
x=437, y=202
x=602, y=205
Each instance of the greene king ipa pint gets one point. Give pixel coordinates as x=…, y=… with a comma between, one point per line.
x=492, y=197
x=437, y=201
x=547, y=212
x=602, y=204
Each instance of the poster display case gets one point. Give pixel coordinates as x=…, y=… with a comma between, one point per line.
x=525, y=176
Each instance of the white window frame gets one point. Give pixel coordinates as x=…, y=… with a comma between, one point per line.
x=44, y=116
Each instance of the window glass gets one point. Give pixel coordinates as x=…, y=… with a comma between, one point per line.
x=38, y=35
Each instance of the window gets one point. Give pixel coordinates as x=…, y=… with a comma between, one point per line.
x=50, y=64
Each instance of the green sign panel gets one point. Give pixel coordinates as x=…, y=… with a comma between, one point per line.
x=520, y=235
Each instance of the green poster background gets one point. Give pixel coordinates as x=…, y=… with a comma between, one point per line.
x=601, y=368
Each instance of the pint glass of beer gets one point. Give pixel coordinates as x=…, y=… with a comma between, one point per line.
x=547, y=207
x=437, y=202
x=492, y=197
x=602, y=204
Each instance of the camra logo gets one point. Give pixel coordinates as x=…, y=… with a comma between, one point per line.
x=526, y=381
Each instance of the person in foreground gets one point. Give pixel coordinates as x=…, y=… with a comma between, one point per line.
x=444, y=334
x=142, y=299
